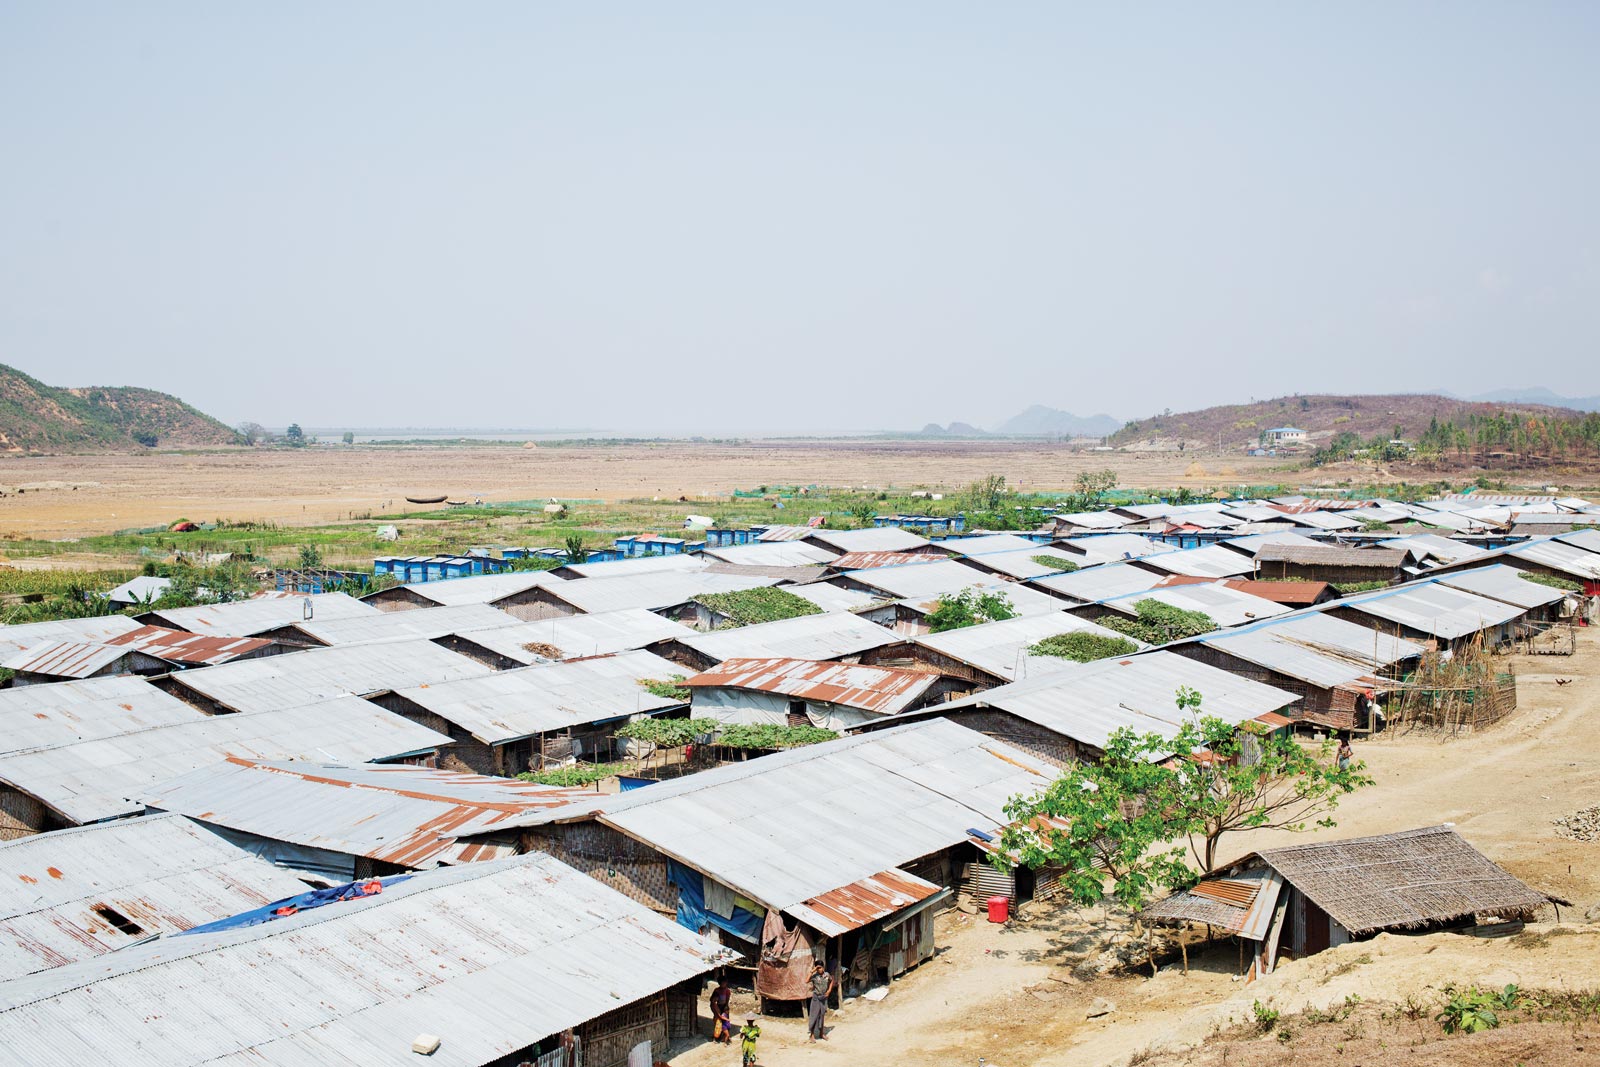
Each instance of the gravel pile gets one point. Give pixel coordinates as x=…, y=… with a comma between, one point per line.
x=1580, y=825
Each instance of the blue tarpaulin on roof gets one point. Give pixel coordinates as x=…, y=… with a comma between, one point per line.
x=316, y=898
x=692, y=911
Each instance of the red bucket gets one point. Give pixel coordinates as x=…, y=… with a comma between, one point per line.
x=999, y=909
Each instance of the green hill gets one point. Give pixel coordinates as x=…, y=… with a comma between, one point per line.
x=35, y=417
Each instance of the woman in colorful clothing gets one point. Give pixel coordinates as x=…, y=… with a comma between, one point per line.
x=748, y=1035
x=721, y=1025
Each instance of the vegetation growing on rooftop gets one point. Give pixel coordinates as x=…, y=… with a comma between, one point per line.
x=1554, y=582
x=667, y=689
x=747, y=607
x=1055, y=563
x=770, y=737
x=969, y=608
x=578, y=775
x=669, y=733
x=1082, y=646
x=1158, y=623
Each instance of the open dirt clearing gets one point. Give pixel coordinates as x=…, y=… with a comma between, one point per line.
x=1008, y=994
x=71, y=496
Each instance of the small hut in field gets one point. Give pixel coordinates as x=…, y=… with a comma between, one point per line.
x=1301, y=899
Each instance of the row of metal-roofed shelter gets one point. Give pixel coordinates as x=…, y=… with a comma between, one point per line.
x=448, y=666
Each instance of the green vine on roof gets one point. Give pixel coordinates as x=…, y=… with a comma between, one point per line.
x=1055, y=563
x=749, y=607
x=669, y=689
x=1158, y=623
x=1554, y=582
x=768, y=736
x=669, y=733
x=1082, y=646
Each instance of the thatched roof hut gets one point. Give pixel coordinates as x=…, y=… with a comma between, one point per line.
x=1341, y=890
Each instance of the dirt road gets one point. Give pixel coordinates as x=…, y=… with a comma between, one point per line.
x=72, y=496
x=1006, y=994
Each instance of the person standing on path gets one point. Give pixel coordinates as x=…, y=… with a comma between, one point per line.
x=721, y=1024
x=1345, y=754
x=821, y=985
x=748, y=1035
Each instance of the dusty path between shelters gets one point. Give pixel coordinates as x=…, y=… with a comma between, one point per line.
x=993, y=992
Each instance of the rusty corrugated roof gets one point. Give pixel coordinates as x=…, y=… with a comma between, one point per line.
x=861, y=561
x=852, y=906
x=179, y=646
x=884, y=690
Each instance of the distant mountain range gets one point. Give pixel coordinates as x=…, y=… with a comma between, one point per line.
x=35, y=417
x=1037, y=421
x=1538, y=395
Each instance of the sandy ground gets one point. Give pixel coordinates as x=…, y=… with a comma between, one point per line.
x=71, y=496
x=1008, y=995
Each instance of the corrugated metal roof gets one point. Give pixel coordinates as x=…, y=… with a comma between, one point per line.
x=1001, y=648
x=1091, y=701
x=1327, y=520
x=98, y=778
x=140, y=590
x=575, y=636
x=804, y=637
x=1111, y=548
x=14, y=639
x=1226, y=607
x=66, y=659
x=1500, y=582
x=162, y=873
x=1441, y=548
x=1315, y=648
x=629, y=568
x=489, y=957
x=785, y=533
x=787, y=828
x=1092, y=520
x=1212, y=561
x=1253, y=543
x=912, y=580
x=424, y=623
x=862, y=561
x=397, y=814
x=1296, y=593
x=1588, y=540
x=508, y=705
x=246, y=618
x=987, y=544
x=652, y=590
x=296, y=678
x=853, y=906
x=479, y=588
x=1024, y=564
x=1561, y=555
x=881, y=690
x=1024, y=599
x=1433, y=609
x=65, y=713
x=179, y=646
x=773, y=554
x=1095, y=584
x=1202, y=520
x=831, y=598
x=878, y=539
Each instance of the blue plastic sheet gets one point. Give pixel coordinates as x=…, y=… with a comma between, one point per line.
x=692, y=911
x=315, y=898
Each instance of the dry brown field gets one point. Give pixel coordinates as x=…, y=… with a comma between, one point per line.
x=81, y=495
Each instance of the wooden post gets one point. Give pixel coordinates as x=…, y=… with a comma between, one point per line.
x=1183, y=946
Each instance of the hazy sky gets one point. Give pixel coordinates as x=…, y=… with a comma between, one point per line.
x=733, y=218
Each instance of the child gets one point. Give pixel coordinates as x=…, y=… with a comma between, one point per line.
x=747, y=1041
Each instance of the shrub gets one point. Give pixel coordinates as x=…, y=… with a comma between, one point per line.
x=1158, y=623
x=1082, y=646
x=968, y=608
x=666, y=689
x=747, y=607
x=770, y=736
x=669, y=733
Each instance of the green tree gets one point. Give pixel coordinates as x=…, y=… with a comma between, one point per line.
x=987, y=493
x=968, y=608
x=295, y=435
x=576, y=553
x=349, y=437
x=1092, y=486
x=1223, y=779
x=310, y=557
x=863, y=513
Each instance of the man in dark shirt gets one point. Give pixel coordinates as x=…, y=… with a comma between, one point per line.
x=821, y=985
